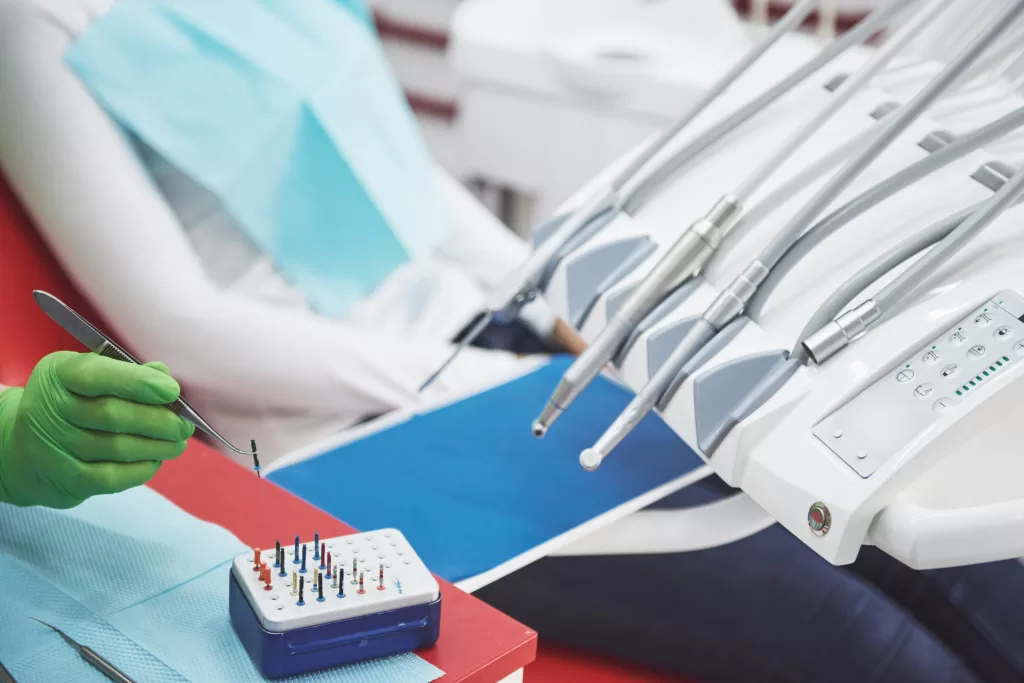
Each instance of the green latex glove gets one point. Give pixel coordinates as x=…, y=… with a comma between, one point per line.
x=86, y=425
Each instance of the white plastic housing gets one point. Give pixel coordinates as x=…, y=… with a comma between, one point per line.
x=953, y=493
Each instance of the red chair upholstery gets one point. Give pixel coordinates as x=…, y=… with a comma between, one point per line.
x=561, y=665
x=26, y=334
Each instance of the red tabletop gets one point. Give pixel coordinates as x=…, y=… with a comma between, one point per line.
x=478, y=644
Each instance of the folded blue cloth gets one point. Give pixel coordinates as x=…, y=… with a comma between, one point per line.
x=470, y=486
x=145, y=585
x=289, y=114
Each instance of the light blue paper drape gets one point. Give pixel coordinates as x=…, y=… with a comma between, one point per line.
x=289, y=113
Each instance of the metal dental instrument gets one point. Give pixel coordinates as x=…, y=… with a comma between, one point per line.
x=731, y=303
x=82, y=330
x=696, y=245
x=91, y=656
x=521, y=286
x=870, y=273
x=838, y=334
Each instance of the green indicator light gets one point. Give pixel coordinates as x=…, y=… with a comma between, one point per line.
x=999, y=363
x=986, y=310
x=1006, y=359
x=992, y=368
x=966, y=388
x=959, y=393
x=985, y=372
x=933, y=348
x=978, y=377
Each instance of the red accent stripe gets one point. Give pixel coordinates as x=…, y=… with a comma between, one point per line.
x=400, y=30
x=845, y=21
x=425, y=105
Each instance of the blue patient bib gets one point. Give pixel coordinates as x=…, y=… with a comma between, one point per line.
x=288, y=112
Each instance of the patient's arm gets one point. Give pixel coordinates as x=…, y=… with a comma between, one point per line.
x=479, y=241
x=120, y=242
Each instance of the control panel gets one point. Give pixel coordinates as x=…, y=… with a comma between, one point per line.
x=947, y=374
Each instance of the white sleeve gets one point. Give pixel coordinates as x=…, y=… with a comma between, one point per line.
x=479, y=242
x=120, y=242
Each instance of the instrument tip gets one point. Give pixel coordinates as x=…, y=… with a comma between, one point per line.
x=430, y=380
x=546, y=418
x=591, y=459
x=255, y=458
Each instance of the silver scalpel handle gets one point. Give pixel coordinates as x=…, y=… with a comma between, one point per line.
x=180, y=407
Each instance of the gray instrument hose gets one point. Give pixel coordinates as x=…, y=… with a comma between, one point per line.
x=635, y=199
x=971, y=228
x=863, y=278
x=875, y=195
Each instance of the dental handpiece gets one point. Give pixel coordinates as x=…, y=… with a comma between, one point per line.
x=696, y=245
x=730, y=304
x=523, y=284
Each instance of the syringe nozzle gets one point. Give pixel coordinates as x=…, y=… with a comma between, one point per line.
x=591, y=459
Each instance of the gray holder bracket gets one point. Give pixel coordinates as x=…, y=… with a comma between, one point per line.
x=546, y=229
x=661, y=345
x=884, y=109
x=732, y=392
x=836, y=82
x=672, y=300
x=615, y=301
x=717, y=343
x=586, y=231
x=595, y=273
x=993, y=175
x=936, y=140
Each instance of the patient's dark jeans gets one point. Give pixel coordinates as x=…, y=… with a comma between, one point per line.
x=767, y=609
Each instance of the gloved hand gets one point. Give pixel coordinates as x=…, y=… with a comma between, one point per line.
x=86, y=425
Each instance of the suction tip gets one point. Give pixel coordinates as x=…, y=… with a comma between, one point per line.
x=539, y=430
x=591, y=459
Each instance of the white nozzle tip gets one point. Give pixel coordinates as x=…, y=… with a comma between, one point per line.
x=591, y=459
x=539, y=429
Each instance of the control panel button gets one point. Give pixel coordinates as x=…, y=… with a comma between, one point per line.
x=1019, y=348
x=951, y=370
x=976, y=351
x=983, y=320
x=924, y=390
x=957, y=338
x=931, y=357
x=905, y=376
x=942, y=405
x=1003, y=332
